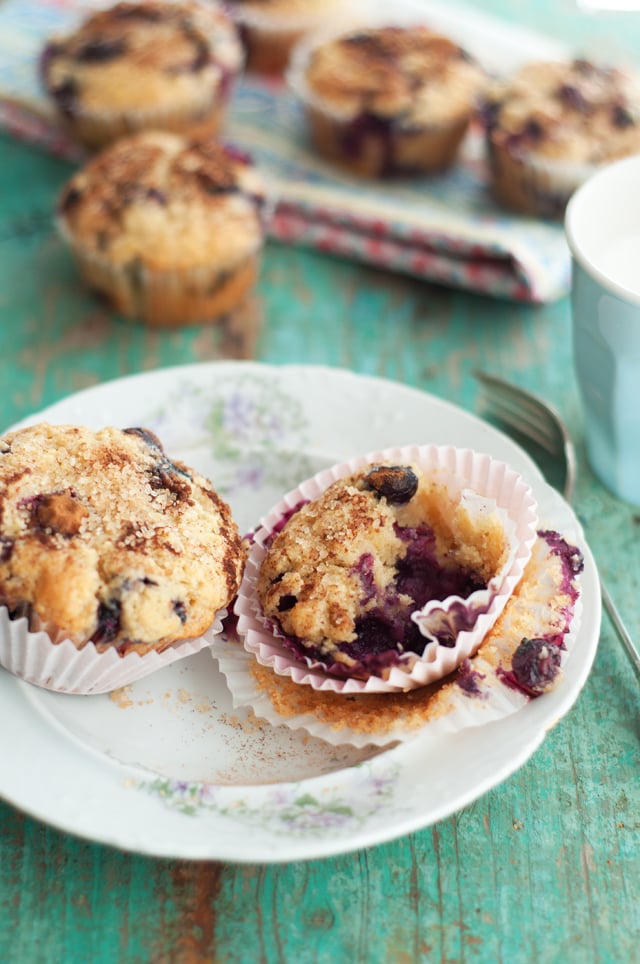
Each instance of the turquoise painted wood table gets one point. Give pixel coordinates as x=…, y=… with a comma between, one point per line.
x=545, y=866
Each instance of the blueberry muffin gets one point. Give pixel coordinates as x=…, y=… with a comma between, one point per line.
x=345, y=572
x=137, y=66
x=167, y=231
x=523, y=652
x=388, y=100
x=552, y=125
x=104, y=539
x=271, y=28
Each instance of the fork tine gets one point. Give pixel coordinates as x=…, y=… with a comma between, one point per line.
x=519, y=407
x=525, y=421
x=523, y=413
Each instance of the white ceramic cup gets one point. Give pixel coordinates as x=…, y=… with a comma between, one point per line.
x=602, y=225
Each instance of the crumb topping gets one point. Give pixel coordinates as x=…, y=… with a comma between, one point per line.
x=413, y=76
x=103, y=537
x=575, y=112
x=164, y=202
x=140, y=55
x=343, y=575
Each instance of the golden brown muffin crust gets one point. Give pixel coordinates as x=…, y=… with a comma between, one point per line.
x=412, y=74
x=167, y=201
x=138, y=55
x=103, y=537
x=575, y=112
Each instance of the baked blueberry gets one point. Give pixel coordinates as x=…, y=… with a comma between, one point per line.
x=535, y=664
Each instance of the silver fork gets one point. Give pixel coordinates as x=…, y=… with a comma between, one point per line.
x=531, y=418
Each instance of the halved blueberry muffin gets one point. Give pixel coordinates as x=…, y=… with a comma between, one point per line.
x=346, y=571
x=141, y=66
x=551, y=125
x=105, y=540
x=521, y=658
x=388, y=100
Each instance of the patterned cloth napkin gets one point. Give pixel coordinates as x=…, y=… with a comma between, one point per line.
x=446, y=229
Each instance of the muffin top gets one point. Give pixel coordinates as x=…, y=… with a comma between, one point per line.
x=159, y=200
x=137, y=56
x=574, y=112
x=410, y=75
x=104, y=538
x=346, y=571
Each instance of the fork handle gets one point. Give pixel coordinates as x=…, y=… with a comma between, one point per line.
x=620, y=628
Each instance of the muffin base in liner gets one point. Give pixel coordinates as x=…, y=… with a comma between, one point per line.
x=428, y=150
x=534, y=185
x=466, y=474
x=166, y=298
x=269, y=35
x=546, y=603
x=97, y=129
x=64, y=668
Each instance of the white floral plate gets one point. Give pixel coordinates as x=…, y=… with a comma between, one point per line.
x=167, y=767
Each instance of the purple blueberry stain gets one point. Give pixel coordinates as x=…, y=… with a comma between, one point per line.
x=364, y=569
x=571, y=557
x=420, y=575
x=364, y=128
x=470, y=680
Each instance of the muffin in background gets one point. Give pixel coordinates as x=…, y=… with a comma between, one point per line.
x=167, y=231
x=137, y=66
x=551, y=125
x=111, y=553
x=388, y=99
x=271, y=28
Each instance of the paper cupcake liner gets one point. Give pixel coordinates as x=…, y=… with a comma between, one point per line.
x=167, y=298
x=481, y=483
x=547, y=603
x=533, y=184
x=64, y=668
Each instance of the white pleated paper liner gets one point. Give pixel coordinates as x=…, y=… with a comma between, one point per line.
x=63, y=668
x=484, y=485
x=546, y=604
